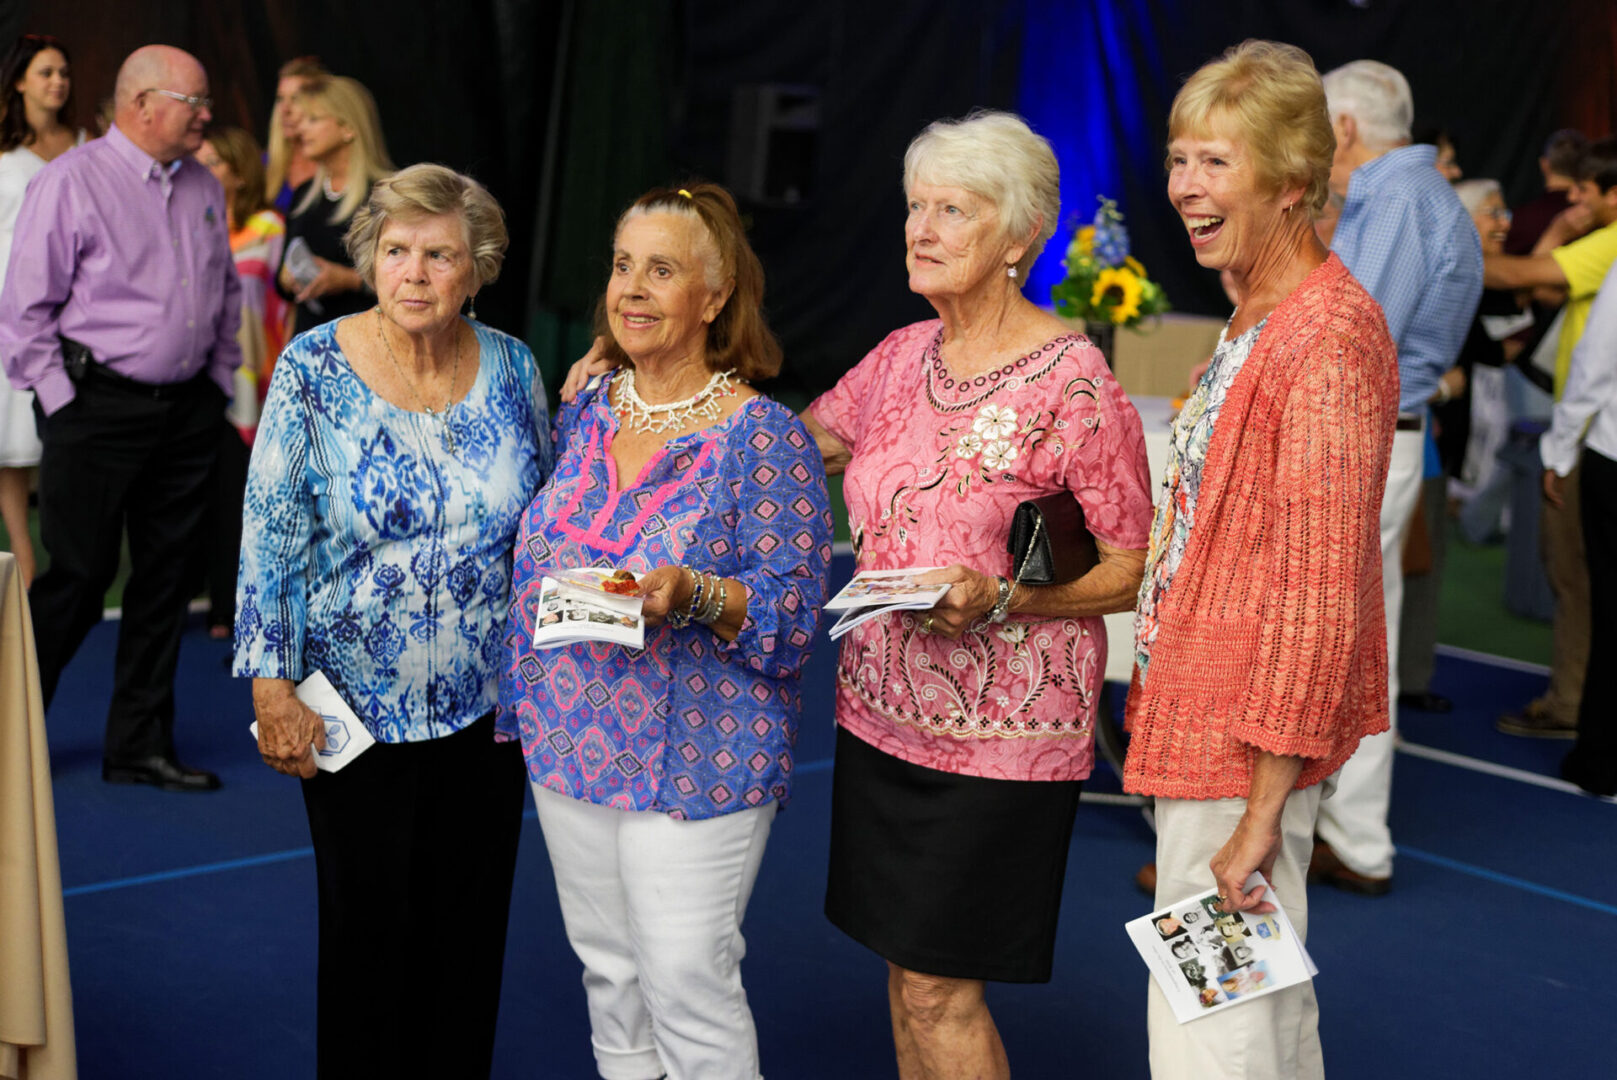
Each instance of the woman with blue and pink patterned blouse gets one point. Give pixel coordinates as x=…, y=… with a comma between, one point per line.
x=658, y=771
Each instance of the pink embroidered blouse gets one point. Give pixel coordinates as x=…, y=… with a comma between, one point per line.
x=938, y=466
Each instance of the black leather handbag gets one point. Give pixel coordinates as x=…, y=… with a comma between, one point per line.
x=1050, y=544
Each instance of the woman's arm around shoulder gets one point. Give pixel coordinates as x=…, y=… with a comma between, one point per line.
x=782, y=536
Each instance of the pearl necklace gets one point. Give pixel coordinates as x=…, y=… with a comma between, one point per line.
x=445, y=432
x=326, y=189
x=653, y=419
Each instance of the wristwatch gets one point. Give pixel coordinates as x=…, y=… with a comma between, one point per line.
x=1002, y=604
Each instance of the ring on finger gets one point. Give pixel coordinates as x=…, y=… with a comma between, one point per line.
x=926, y=625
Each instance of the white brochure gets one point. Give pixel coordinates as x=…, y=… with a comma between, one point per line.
x=1205, y=960
x=346, y=737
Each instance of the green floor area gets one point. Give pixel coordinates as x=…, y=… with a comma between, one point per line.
x=1472, y=613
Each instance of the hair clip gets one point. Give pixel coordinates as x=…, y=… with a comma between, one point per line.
x=685, y=193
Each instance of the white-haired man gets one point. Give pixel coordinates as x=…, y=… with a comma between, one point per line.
x=1405, y=236
x=120, y=311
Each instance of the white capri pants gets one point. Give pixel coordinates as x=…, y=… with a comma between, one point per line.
x=653, y=908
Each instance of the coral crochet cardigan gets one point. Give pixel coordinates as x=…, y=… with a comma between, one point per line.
x=1273, y=634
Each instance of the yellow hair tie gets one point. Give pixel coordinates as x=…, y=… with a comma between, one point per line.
x=685, y=193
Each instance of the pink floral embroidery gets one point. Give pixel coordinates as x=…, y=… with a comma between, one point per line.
x=939, y=465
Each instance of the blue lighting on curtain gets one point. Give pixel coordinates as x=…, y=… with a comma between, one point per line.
x=1085, y=66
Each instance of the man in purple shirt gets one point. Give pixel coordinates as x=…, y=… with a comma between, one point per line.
x=120, y=311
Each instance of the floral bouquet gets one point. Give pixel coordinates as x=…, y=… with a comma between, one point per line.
x=1104, y=283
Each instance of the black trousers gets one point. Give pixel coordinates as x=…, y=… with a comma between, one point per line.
x=1592, y=763
x=415, y=847
x=118, y=460
x=226, y=500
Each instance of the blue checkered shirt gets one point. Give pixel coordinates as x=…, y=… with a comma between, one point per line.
x=1405, y=236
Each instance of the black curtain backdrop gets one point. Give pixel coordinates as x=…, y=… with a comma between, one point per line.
x=569, y=108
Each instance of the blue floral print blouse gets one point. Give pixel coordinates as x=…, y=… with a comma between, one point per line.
x=372, y=552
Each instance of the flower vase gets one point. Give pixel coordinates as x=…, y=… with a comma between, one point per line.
x=1104, y=337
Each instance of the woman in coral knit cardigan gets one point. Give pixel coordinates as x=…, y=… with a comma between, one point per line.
x=1261, y=641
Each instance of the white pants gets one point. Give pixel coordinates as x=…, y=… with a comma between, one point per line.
x=1275, y=1037
x=653, y=908
x=1354, y=820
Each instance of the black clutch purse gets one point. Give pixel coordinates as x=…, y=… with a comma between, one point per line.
x=1050, y=544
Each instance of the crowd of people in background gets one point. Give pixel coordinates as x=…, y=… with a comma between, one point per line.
x=261, y=365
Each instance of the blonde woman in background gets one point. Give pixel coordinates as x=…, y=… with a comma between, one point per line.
x=340, y=132
x=286, y=169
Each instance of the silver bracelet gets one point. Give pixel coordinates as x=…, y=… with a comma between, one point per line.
x=679, y=620
x=717, y=593
x=1002, y=605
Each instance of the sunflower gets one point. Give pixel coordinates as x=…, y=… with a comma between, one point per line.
x=1121, y=287
x=1086, y=239
x=1134, y=264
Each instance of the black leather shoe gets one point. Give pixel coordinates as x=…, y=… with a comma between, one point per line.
x=160, y=772
x=1426, y=702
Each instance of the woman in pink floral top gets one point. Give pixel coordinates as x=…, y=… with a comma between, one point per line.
x=965, y=731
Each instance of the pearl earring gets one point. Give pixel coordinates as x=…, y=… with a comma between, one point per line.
x=1010, y=272
x=471, y=307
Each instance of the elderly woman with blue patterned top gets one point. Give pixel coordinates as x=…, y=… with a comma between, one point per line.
x=397, y=451
x=658, y=771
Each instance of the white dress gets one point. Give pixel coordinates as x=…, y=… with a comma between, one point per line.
x=19, y=445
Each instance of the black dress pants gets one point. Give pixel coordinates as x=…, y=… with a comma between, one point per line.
x=1592, y=763
x=226, y=500
x=117, y=459
x=415, y=846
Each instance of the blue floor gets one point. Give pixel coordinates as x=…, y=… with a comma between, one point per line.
x=191, y=919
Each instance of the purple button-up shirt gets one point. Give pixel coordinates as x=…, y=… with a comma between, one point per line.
x=128, y=257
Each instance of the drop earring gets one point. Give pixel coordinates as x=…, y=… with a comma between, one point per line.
x=1010, y=272
x=471, y=307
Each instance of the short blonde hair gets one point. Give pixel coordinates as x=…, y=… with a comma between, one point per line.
x=997, y=156
x=1268, y=96
x=422, y=191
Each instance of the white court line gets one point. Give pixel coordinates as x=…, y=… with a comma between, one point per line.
x=1448, y=757
x=1493, y=660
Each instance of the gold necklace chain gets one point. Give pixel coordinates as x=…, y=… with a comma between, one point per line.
x=446, y=432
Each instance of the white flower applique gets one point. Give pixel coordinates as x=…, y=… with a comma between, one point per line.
x=994, y=423
x=998, y=455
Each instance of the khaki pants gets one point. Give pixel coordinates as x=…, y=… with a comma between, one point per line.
x=1560, y=539
x=1275, y=1037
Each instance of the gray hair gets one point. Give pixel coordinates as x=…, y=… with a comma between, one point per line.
x=1473, y=193
x=423, y=191
x=997, y=156
x=1377, y=96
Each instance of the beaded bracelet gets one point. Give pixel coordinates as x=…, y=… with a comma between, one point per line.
x=696, y=596
x=716, y=608
x=679, y=620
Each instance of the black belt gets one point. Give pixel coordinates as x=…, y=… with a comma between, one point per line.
x=104, y=376
x=1406, y=422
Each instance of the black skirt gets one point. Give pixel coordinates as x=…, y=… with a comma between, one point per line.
x=945, y=874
